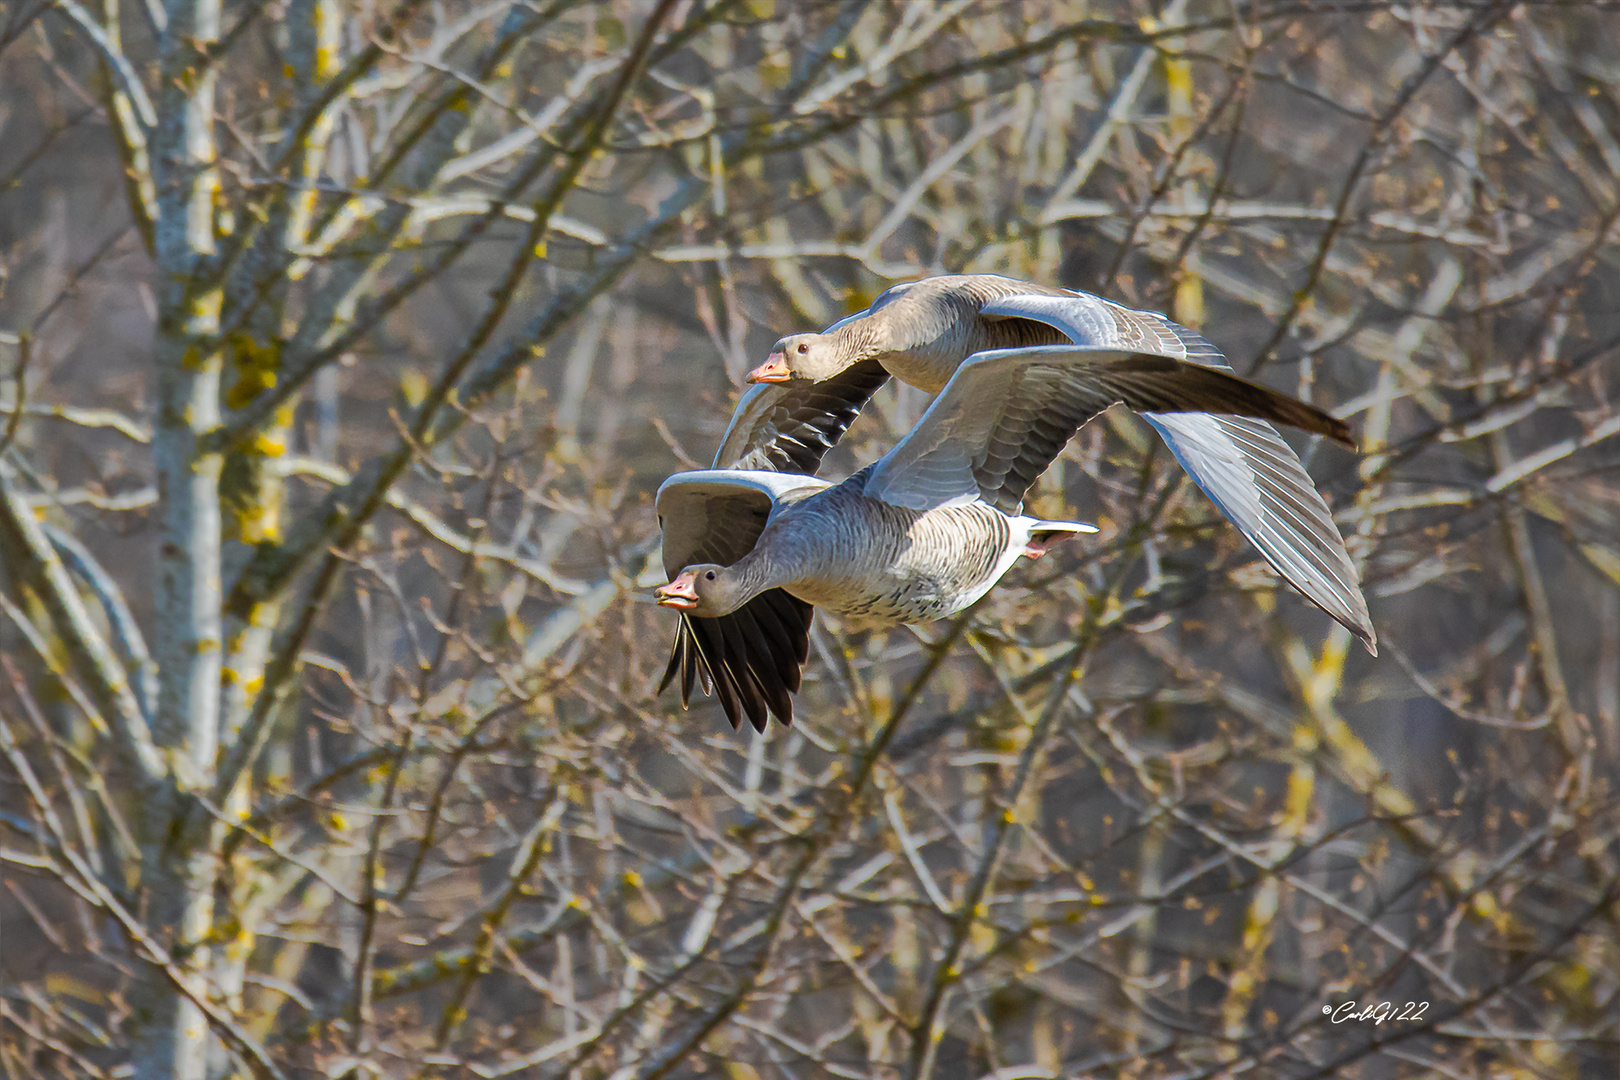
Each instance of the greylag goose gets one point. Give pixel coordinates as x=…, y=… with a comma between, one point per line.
x=812, y=385
x=920, y=534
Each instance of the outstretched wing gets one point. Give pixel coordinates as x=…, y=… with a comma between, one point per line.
x=1242, y=464
x=789, y=427
x=1091, y=320
x=1007, y=413
x=1257, y=481
x=751, y=657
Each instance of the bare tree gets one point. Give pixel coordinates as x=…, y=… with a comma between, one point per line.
x=345, y=344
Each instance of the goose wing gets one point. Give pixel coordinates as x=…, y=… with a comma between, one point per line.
x=1257, y=481
x=1007, y=413
x=1241, y=463
x=1091, y=320
x=750, y=658
x=789, y=427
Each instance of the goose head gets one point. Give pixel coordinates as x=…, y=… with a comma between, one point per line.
x=706, y=591
x=803, y=358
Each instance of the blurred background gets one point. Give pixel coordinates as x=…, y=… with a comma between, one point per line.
x=359, y=335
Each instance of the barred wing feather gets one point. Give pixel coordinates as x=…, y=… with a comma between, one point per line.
x=1242, y=464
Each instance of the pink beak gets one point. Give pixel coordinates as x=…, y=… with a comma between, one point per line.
x=774, y=369
x=680, y=594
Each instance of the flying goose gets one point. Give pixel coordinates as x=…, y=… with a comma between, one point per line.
x=812, y=385
x=920, y=534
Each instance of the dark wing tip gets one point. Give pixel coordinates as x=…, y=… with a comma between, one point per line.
x=1319, y=422
x=1307, y=417
x=751, y=657
x=674, y=663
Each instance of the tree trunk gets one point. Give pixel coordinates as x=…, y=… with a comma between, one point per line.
x=178, y=872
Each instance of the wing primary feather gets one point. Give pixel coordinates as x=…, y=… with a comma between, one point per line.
x=677, y=659
x=683, y=657
x=693, y=662
x=751, y=659
x=1260, y=486
x=761, y=665
x=794, y=427
x=748, y=691
x=712, y=648
x=779, y=645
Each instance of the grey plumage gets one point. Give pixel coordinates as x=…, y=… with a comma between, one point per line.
x=839, y=548
x=922, y=331
x=920, y=534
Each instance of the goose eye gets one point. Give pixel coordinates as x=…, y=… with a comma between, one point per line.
x=709, y=576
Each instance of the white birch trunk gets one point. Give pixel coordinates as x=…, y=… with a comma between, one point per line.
x=171, y=1036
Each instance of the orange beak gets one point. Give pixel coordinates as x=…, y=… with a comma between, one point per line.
x=774, y=369
x=680, y=594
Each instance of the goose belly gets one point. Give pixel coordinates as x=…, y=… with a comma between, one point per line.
x=932, y=565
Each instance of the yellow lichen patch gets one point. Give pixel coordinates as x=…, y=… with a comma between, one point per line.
x=1189, y=301
x=261, y=526
x=1573, y=979
x=250, y=494
x=204, y=315
x=270, y=444
x=328, y=27
x=256, y=365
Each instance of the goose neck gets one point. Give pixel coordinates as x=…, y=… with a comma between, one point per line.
x=861, y=339
x=749, y=576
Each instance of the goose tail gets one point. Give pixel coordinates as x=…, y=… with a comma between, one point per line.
x=1043, y=535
